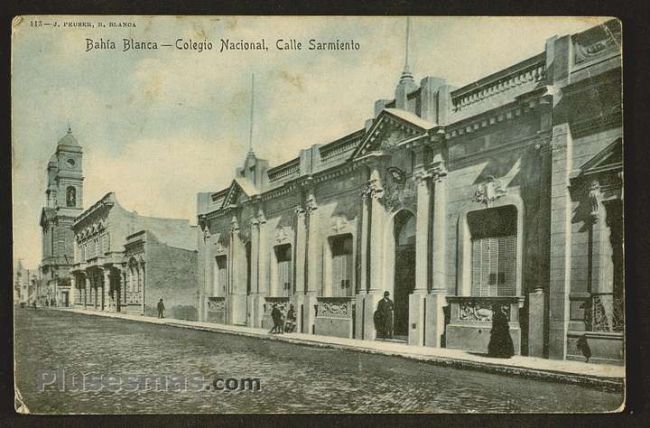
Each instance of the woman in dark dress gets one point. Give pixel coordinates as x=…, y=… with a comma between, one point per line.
x=500, y=345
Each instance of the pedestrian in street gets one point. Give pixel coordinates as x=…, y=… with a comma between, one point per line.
x=161, y=309
x=290, y=325
x=34, y=303
x=385, y=309
x=276, y=316
x=500, y=345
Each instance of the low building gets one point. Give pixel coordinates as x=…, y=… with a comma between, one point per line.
x=125, y=262
x=504, y=195
x=25, y=285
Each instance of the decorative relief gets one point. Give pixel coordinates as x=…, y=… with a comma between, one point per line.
x=283, y=235
x=206, y=233
x=216, y=305
x=335, y=309
x=595, y=198
x=234, y=225
x=586, y=51
x=261, y=218
x=310, y=204
x=607, y=313
x=478, y=310
x=491, y=190
x=281, y=302
x=340, y=225
x=219, y=248
x=399, y=191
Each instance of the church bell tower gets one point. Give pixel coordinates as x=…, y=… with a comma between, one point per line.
x=63, y=203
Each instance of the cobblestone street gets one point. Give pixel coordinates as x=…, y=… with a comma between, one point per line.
x=294, y=379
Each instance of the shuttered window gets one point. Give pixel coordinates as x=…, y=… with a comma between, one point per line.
x=220, y=276
x=494, y=266
x=283, y=257
x=494, y=251
x=341, y=265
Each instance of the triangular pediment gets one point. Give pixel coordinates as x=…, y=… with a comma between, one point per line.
x=608, y=159
x=241, y=189
x=391, y=129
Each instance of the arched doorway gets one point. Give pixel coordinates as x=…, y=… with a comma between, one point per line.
x=404, y=235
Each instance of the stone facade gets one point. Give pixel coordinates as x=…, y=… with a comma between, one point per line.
x=64, y=201
x=125, y=262
x=505, y=194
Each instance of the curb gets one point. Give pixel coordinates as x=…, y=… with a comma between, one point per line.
x=606, y=384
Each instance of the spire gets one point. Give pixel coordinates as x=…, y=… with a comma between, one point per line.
x=407, y=76
x=250, y=134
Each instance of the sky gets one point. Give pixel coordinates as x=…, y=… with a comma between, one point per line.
x=159, y=126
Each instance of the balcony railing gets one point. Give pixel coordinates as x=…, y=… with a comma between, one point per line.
x=605, y=312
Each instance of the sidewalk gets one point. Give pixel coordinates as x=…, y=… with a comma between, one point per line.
x=600, y=376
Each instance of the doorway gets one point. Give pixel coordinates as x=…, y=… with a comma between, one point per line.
x=404, y=233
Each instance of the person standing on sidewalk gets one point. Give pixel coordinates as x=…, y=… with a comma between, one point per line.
x=385, y=310
x=276, y=316
x=161, y=309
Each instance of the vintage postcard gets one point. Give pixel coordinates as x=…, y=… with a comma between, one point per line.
x=318, y=214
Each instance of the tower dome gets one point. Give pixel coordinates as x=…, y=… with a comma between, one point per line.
x=68, y=139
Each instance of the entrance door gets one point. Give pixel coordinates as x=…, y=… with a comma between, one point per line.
x=65, y=299
x=404, y=270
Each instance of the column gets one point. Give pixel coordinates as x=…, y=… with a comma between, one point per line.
x=106, y=290
x=436, y=300
x=123, y=287
x=376, y=251
x=142, y=286
x=263, y=256
x=262, y=269
x=93, y=288
x=251, y=310
x=89, y=287
x=300, y=244
x=560, y=240
x=75, y=293
x=376, y=231
x=364, y=259
x=237, y=298
x=208, y=271
x=537, y=297
x=417, y=298
x=314, y=261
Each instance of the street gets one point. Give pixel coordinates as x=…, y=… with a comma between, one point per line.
x=294, y=379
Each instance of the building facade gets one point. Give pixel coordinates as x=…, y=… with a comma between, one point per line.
x=501, y=195
x=125, y=262
x=25, y=285
x=64, y=202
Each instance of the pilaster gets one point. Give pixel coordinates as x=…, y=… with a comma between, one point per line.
x=560, y=242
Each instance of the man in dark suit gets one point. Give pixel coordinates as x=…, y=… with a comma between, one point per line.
x=385, y=310
x=161, y=309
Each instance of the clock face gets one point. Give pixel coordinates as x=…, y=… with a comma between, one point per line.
x=71, y=163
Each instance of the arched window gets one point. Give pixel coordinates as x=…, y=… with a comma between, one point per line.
x=71, y=196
